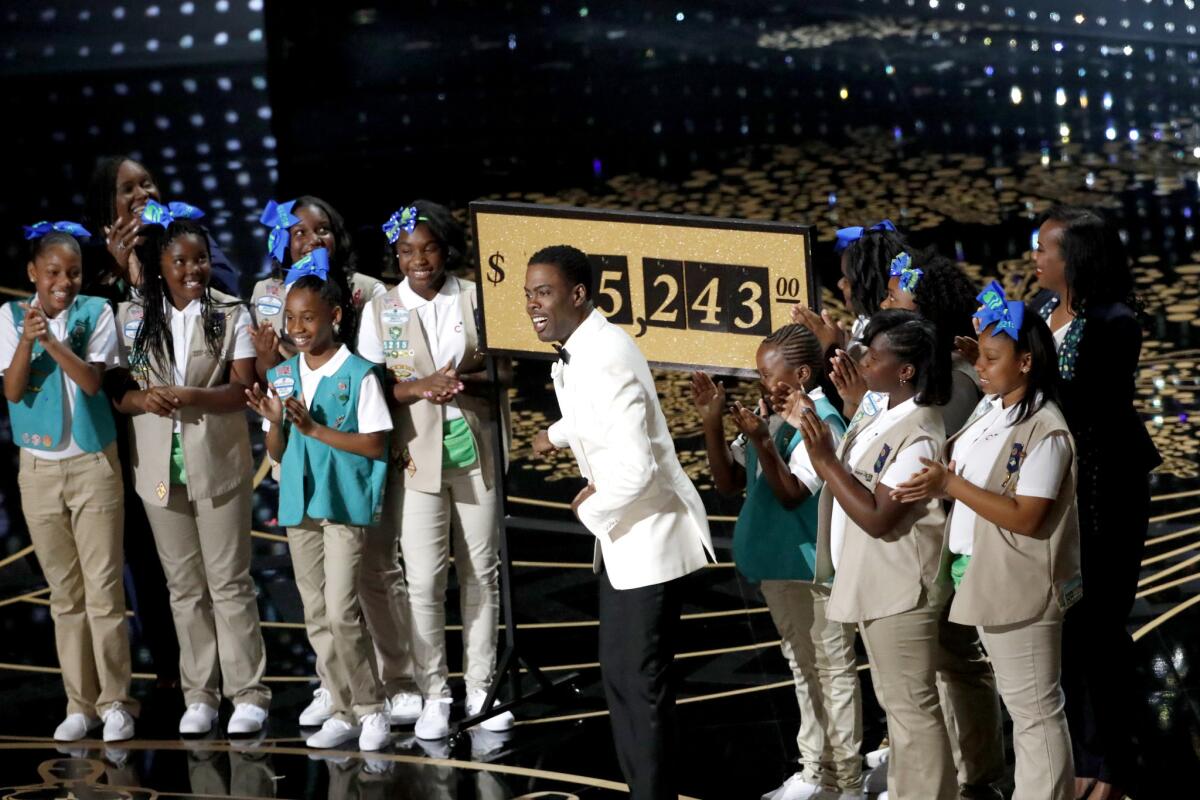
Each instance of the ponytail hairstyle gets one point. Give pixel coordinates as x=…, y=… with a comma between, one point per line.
x=800, y=348
x=154, y=337
x=1035, y=338
x=914, y=341
x=342, y=264
x=945, y=296
x=1098, y=271
x=868, y=260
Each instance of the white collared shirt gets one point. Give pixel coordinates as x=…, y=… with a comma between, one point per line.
x=981, y=446
x=184, y=322
x=101, y=349
x=441, y=319
x=903, y=466
x=373, y=413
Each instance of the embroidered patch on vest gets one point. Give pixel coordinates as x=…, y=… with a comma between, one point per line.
x=132, y=329
x=883, y=456
x=269, y=306
x=1013, y=467
x=284, y=386
x=36, y=439
x=161, y=490
x=394, y=316
x=47, y=440
x=403, y=374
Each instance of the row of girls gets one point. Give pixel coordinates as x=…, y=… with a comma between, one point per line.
x=127, y=398
x=978, y=522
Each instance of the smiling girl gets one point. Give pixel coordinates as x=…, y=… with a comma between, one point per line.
x=188, y=347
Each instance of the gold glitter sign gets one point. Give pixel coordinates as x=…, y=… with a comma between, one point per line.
x=692, y=291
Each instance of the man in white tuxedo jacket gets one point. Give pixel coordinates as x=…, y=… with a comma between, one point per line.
x=649, y=522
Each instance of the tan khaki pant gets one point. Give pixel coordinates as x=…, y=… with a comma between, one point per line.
x=384, y=594
x=75, y=512
x=204, y=547
x=967, y=689
x=1027, y=661
x=463, y=516
x=327, y=559
x=904, y=655
x=820, y=653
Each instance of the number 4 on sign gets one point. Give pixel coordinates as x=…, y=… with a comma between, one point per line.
x=708, y=302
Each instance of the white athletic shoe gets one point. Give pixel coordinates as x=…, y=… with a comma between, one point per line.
x=499, y=723
x=333, y=733
x=796, y=788
x=198, y=719
x=75, y=727
x=434, y=722
x=376, y=731
x=118, y=723
x=319, y=710
x=247, y=718
x=406, y=707
x=834, y=794
x=877, y=758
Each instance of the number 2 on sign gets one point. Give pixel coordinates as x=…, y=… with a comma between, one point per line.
x=662, y=314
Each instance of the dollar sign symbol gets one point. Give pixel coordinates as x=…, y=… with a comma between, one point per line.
x=497, y=273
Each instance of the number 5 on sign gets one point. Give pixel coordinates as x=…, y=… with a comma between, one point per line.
x=612, y=288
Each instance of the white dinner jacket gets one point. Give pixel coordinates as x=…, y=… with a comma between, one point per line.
x=648, y=518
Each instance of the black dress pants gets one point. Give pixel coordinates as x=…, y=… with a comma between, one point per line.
x=638, y=633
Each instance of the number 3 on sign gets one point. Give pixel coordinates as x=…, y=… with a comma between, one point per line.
x=753, y=302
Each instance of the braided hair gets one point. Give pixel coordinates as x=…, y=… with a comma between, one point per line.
x=800, y=348
x=867, y=261
x=154, y=337
x=945, y=296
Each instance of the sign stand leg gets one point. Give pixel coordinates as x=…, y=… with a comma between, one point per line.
x=511, y=661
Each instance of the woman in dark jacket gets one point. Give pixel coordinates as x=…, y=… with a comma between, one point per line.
x=1091, y=309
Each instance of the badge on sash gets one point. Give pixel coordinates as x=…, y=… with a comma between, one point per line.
x=394, y=315
x=268, y=306
x=284, y=386
x=883, y=457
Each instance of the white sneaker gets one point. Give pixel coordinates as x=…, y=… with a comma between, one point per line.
x=796, y=788
x=118, y=723
x=434, y=722
x=198, y=719
x=877, y=758
x=834, y=794
x=406, y=707
x=247, y=718
x=319, y=710
x=75, y=727
x=333, y=733
x=376, y=731
x=499, y=723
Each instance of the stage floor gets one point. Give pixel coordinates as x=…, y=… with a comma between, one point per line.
x=973, y=198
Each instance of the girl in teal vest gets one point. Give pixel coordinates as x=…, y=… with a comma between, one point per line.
x=774, y=542
x=327, y=424
x=54, y=348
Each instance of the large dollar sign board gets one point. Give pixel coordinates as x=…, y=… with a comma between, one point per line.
x=694, y=292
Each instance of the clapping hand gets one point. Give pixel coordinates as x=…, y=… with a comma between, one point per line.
x=930, y=482
x=847, y=379
x=709, y=397
x=828, y=332
x=266, y=405
x=753, y=426
x=36, y=325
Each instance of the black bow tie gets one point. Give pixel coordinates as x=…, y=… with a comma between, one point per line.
x=563, y=355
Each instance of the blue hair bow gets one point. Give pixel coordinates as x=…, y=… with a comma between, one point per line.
x=901, y=267
x=996, y=307
x=848, y=236
x=280, y=217
x=156, y=213
x=39, y=229
x=315, y=263
x=405, y=219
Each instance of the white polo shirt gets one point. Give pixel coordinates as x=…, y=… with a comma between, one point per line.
x=441, y=319
x=373, y=413
x=101, y=349
x=981, y=446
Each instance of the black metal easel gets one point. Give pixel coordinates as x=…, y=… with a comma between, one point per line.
x=511, y=661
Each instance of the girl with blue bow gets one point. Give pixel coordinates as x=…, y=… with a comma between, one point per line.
x=441, y=497
x=54, y=350
x=298, y=230
x=187, y=346
x=327, y=424
x=1012, y=537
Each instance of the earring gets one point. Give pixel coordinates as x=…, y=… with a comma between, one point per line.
x=903, y=381
x=1024, y=369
